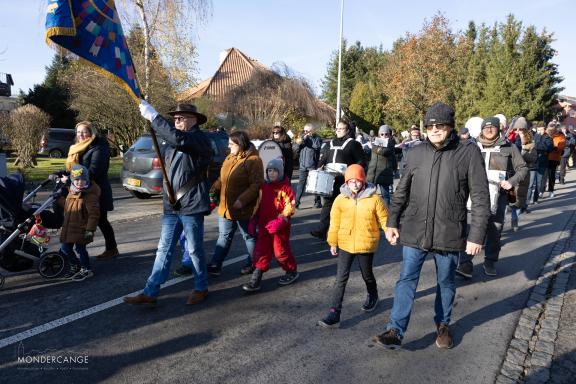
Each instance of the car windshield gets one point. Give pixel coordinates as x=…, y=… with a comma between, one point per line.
x=144, y=143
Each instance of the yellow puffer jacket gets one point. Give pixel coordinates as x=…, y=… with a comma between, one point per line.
x=355, y=222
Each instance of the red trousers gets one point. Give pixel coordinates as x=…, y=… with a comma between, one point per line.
x=277, y=245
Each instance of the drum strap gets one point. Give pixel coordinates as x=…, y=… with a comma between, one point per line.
x=337, y=148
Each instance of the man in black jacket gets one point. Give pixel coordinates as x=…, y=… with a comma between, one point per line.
x=428, y=216
x=342, y=151
x=187, y=156
x=383, y=162
x=506, y=170
x=309, y=154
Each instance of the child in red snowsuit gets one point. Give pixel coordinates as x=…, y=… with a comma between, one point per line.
x=273, y=220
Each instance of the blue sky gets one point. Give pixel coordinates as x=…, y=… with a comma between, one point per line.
x=301, y=34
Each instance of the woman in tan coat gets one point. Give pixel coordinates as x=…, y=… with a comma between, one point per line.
x=81, y=215
x=238, y=189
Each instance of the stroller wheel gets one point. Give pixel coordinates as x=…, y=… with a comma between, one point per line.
x=51, y=265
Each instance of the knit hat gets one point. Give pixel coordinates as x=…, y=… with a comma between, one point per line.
x=519, y=123
x=384, y=129
x=79, y=172
x=464, y=131
x=494, y=121
x=439, y=113
x=278, y=165
x=355, y=171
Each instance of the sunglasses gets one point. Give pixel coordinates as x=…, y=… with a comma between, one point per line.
x=276, y=132
x=179, y=118
x=305, y=131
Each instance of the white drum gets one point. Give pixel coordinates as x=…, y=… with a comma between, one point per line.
x=320, y=183
x=336, y=167
x=269, y=150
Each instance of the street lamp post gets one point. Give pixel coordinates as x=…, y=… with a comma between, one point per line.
x=339, y=61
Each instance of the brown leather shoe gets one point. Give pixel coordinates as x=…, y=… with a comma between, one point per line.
x=196, y=297
x=140, y=299
x=109, y=254
x=444, y=338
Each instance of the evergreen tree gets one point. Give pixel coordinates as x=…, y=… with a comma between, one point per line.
x=472, y=90
x=52, y=96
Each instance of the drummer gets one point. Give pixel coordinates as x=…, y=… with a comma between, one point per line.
x=342, y=151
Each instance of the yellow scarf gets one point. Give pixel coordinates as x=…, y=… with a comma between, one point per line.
x=76, y=151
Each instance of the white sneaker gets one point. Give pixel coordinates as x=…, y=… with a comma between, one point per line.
x=82, y=274
x=551, y=194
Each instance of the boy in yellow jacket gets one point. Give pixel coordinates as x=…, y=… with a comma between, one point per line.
x=355, y=218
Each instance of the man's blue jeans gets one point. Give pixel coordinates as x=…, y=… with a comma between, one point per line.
x=186, y=261
x=412, y=261
x=172, y=226
x=536, y=177
x=226, y=230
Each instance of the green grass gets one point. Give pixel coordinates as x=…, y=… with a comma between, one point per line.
x=47, y=166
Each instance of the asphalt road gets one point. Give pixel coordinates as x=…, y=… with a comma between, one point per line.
x=270, y=336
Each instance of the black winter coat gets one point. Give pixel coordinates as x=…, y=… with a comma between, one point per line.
x=309, y=151
x=382, y=164
x=429, y=203
x=288, y=155
x=196, y=156
x=97, y=159
x=544, y=146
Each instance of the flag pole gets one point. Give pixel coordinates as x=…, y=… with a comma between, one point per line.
x=169, y=190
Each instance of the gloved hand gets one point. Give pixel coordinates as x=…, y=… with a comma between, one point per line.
x=147, y=111
x=89, y=235
x=276, y=226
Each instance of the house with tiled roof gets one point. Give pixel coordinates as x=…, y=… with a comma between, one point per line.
x=234, y=70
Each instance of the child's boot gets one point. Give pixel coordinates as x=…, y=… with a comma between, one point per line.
x=331, y=320
x=371, y=302
x=254, y=283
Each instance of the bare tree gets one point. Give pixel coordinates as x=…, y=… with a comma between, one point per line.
x=25, y=129
x=267, y=98
x=169, y=26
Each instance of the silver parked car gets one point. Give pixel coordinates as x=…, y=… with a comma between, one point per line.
x=141, y=173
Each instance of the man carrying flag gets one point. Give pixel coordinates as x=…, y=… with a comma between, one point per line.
x=91, y=29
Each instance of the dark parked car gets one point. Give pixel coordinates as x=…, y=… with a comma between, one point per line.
x=141, y=173
x=56, y=142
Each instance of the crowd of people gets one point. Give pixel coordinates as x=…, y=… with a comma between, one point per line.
x=450, y=202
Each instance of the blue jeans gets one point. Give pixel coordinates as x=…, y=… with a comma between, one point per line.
x=412, y=261
x=67, y=249
x=173, y=225
x=226, y=230
x=534, y=186
x=385, y=192
x=186, y=260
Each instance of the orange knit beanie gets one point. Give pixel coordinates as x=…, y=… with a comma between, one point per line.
x=355, y=171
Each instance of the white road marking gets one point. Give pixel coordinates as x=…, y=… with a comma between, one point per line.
x=101, y=307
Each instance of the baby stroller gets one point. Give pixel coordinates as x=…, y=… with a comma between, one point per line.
x=19, y=249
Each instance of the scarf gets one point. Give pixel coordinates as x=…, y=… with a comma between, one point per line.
x=76, y=151
x=76, y=190
x=487, y=143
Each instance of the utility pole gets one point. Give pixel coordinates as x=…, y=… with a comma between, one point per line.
x=339, y=61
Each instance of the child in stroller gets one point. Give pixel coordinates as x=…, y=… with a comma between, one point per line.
x=19, y=251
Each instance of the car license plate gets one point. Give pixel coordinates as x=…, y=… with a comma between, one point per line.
x=134, y=182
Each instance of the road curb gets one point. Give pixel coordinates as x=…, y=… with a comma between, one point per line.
x=531, y=350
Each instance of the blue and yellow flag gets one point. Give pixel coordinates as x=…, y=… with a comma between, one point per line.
x=91, y=29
